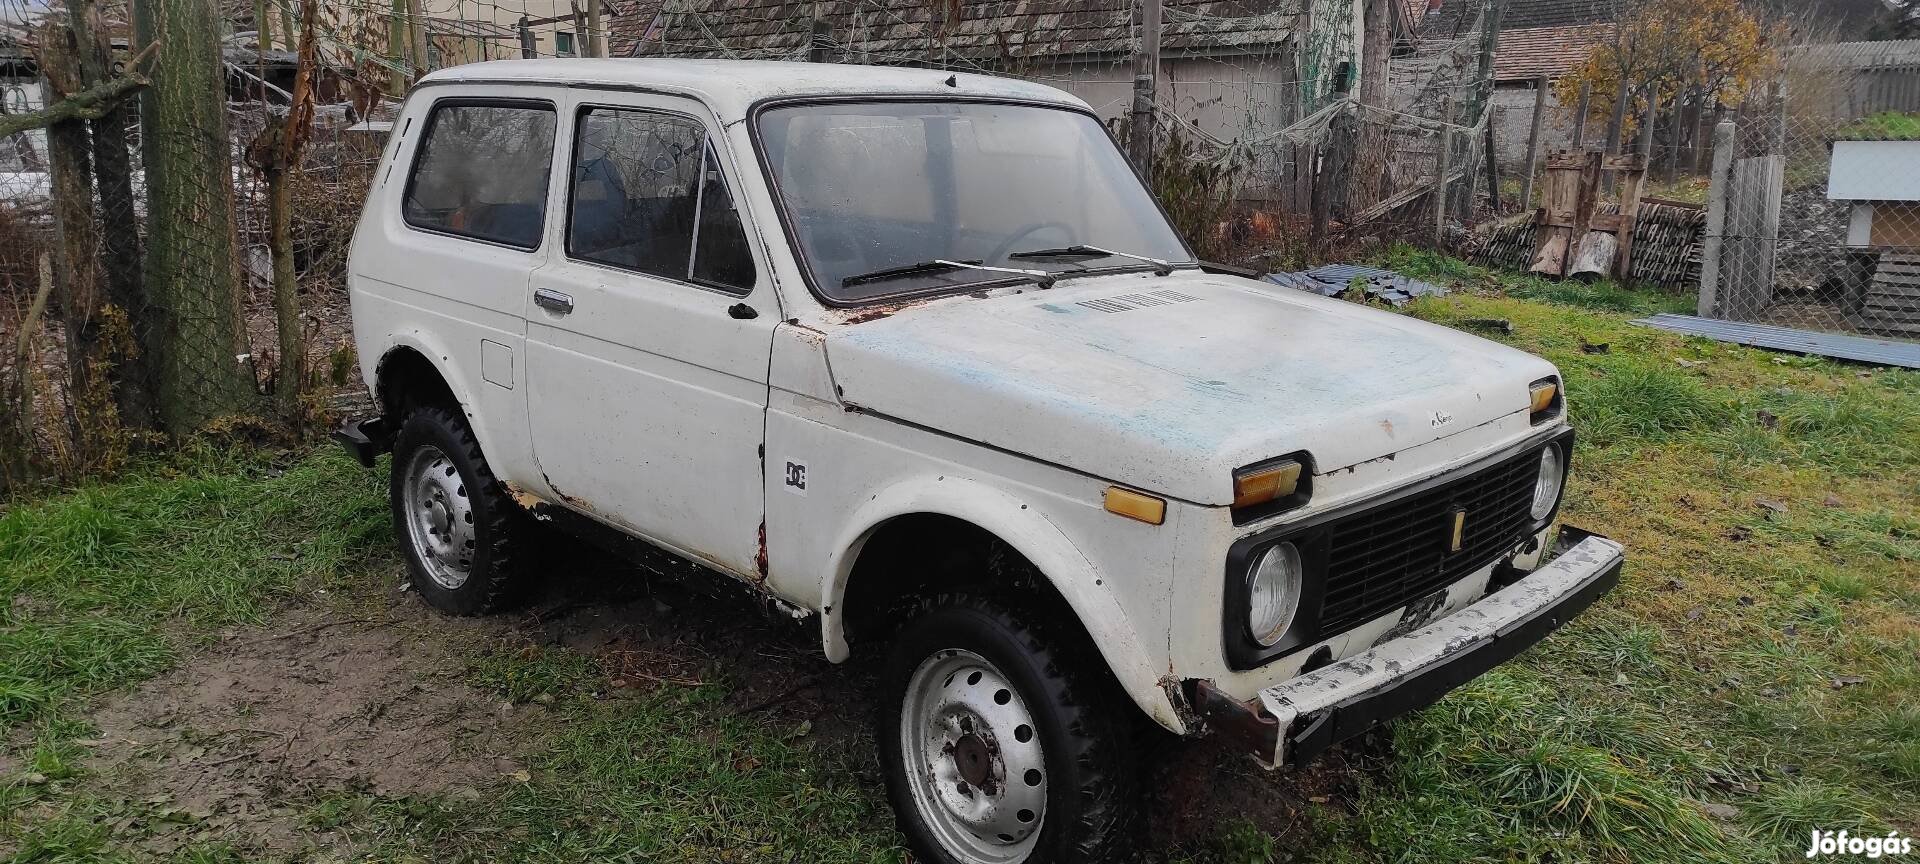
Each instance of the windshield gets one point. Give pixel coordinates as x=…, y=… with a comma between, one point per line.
x=879, y=193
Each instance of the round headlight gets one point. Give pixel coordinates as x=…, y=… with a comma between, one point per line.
x=1546, y=489
x=1273, y=593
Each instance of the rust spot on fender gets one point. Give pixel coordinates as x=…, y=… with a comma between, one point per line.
x=1387, y=426
x=527, y=500
x=760, y=556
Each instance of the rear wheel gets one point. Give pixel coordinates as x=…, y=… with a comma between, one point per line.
x=451, y=518
x=1001, y=744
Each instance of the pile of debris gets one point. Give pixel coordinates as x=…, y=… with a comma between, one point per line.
x=1377, y=284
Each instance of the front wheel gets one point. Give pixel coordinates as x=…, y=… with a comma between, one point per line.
x=1002, y=745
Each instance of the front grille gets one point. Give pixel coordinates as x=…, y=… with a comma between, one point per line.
x=1383, y=558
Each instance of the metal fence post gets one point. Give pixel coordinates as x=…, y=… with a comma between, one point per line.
x=1146, y=74
x=1713, y=243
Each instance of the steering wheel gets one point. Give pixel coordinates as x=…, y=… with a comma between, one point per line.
x=1023, y=232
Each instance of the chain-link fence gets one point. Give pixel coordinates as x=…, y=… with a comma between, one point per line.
x=1821, y=199
x=139, y=291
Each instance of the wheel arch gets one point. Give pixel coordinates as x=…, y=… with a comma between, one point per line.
x=1024, y=530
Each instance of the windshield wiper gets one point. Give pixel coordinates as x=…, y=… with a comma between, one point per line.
x=905, y=270
x=1160, y=267
x=941, y=265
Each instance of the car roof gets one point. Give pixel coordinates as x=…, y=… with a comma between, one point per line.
x=731, y=87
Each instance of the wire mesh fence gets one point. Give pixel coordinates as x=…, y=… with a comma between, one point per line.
x=1822, y=218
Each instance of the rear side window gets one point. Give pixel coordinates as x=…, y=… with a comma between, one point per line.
x=648, y=195
x=482, y=172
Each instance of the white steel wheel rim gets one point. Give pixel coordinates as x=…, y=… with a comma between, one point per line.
x=973, y=759
x=439, y=517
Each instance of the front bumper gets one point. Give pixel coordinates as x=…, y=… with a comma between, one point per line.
x=1291, y=723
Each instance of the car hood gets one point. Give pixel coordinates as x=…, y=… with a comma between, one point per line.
x=1171, y=383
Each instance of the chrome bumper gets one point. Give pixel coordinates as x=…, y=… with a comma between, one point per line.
x=1291, y=723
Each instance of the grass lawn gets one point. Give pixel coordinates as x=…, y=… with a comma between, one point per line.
x=1754, y=678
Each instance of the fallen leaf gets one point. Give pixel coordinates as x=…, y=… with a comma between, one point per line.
x=520, y=777
x=1779, y=507
x=1689, y=364
x=1834, y=501
x=1675, y=585
x=1696, y=613
x=1847, y=681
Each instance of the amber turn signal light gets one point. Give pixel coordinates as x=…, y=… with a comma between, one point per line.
x=1543, y=394
x=1263, y=483
x=1545, y=400
x=1136, y=505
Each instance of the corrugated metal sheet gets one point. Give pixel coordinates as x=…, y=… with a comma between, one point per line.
x=1860, y=349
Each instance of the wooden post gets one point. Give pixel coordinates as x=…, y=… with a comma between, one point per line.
x=1776, y=120
x=1146, y=74
x=819, y=41
x=1713, y=244
x=1443, y=158
x=529, y=48
x=1533, y=141
x=596, y=28
x=1636, y=178
x=417, y=38
x=1679, y=125
x=397, y=48
x=1493, y=169
x=1580, y=116
x=1617, y=125
x=579, y=29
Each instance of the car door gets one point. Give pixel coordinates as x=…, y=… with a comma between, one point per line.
x=648, y=335
x=465, y=227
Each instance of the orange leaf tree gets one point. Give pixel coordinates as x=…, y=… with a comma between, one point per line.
x=1701, y=51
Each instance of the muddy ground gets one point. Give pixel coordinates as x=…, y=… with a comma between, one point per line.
x=370, y=693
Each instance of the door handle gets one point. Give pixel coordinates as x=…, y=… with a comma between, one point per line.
x=553, y=301
x=742, y=312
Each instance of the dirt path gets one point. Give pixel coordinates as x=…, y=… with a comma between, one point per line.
x=234, y=742
x=370, y=694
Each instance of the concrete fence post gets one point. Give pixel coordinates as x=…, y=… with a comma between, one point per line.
x=1713, y=244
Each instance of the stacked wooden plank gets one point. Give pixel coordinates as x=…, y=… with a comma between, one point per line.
x=1893, y=300
x=1666, y=243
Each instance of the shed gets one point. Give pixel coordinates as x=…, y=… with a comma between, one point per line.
x=1882, y=179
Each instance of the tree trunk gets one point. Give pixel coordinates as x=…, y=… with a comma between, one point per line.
x=119, y=228
x=290, y=383
x=89, y=404
x=190, y=271
x=1376, y=52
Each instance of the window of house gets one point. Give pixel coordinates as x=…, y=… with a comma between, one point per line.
x=563, y=44
x=648, y=195
x=482, y=172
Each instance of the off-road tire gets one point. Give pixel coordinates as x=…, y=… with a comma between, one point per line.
x=494, y=578
x=1082, y=719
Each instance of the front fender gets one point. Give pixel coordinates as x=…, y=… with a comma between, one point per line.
x=1030, y=533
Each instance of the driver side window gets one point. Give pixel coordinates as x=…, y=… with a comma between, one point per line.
x=648, y=195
